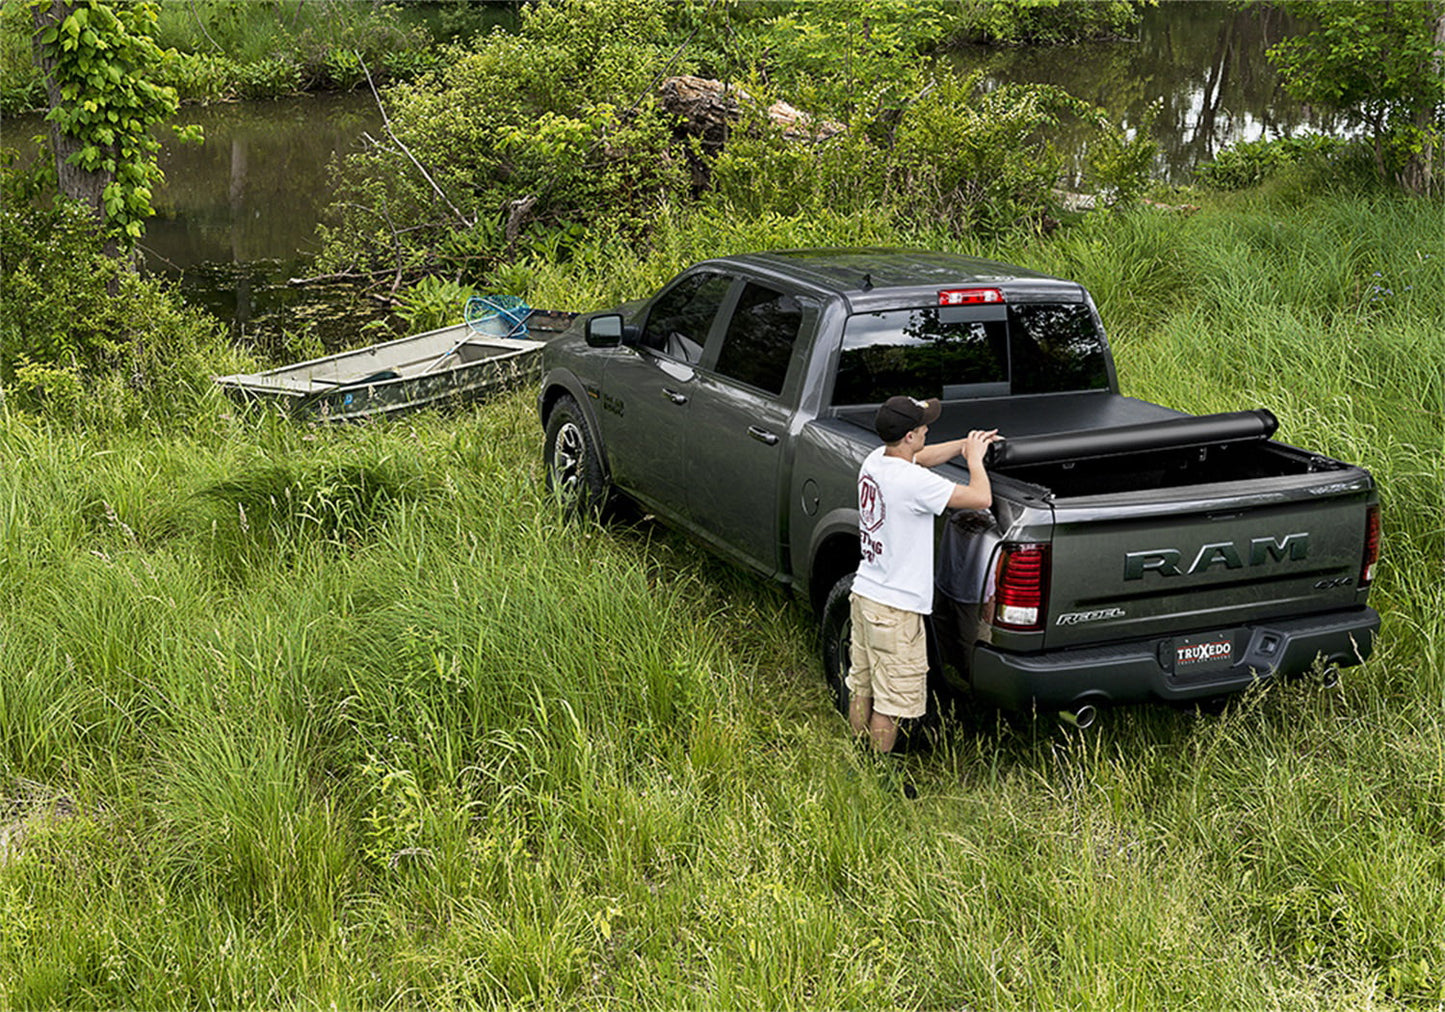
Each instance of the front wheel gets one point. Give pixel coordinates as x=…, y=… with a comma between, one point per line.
x=573, y=461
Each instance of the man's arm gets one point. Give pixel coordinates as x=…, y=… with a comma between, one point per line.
x=939, y=453
x=978, y=493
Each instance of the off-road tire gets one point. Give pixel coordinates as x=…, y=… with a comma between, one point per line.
x=836, y=628
x=573, y=461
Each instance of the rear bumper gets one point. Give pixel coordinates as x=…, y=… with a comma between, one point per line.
x=1144, y=670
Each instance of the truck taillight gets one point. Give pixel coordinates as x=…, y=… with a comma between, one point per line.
x=1021, y=584
x=1372, y=546
x=969, y=296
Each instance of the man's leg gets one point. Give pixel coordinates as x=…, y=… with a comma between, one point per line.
x=899, y=677
x=859, y=681
x=860, y=714
x=882, y=730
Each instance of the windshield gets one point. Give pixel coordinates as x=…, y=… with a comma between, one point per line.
x=971, y=351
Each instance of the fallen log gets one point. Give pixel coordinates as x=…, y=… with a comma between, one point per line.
x=709, y=109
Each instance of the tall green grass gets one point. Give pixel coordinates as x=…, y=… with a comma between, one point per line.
x=308, y=716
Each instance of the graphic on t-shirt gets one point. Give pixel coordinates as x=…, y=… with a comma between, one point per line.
x=870, y=503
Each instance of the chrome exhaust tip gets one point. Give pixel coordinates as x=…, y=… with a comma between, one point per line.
x=1081, y=716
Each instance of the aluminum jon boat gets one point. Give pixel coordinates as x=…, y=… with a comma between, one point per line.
x=451, y=365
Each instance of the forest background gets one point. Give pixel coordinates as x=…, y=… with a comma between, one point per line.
x=300, y=715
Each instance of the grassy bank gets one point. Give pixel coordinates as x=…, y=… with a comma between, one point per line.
x=295, y=716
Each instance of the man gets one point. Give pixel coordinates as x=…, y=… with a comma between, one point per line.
x=898, y=497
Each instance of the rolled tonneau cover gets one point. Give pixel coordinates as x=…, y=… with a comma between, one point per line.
x=1171, y=434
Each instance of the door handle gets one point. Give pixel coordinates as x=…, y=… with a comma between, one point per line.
x=674, y=396
x=763, y=435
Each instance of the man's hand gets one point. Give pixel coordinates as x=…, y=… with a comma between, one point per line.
x=974, y=446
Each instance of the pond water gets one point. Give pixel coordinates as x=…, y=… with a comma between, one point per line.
x=1199, y=70
x=237, y=216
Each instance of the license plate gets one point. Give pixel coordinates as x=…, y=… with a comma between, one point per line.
x=1203, y=653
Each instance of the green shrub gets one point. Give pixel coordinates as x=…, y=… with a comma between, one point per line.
x=21, y=87
x=532, y=139
x=432, y=303
x=1054, y=21
x=1249, y=163
x=545, y=140
x=955, y=159
x=80, y=332
x=201, y=77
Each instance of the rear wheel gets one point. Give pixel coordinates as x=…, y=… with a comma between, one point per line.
x=572, y=458
x=837, y=632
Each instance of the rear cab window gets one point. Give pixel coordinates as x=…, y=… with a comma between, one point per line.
x=954, y=352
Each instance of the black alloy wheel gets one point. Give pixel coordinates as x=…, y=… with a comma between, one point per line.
x=573, y=463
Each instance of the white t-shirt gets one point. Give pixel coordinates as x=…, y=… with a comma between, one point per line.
x=897, y=501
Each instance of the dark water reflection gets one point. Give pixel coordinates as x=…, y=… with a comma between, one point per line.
x=1199, y=68
x=237, y=216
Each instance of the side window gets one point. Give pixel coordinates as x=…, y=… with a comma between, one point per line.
x=680, y=319
x=760, y=336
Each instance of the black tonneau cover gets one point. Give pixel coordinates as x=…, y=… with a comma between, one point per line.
x=1043, y=414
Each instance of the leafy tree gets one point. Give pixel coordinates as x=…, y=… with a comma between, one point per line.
x=99, y=59
x=1383, y=62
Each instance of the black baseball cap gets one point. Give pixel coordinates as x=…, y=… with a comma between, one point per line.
x=899, y=416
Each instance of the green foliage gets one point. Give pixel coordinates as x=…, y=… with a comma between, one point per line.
x=266, y=50
x=832, y=57
x=546, y=139
x=101, y=59
x=1121, y=163
x=952, y=157
x=532, y=137
x=80, y=334
x=223, y=50
x=432, y=303
x=1383, y=63
x=1055, y=21
x=1249, y=163
x=21, y=86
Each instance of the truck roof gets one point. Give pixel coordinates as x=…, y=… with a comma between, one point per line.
x=871, y=278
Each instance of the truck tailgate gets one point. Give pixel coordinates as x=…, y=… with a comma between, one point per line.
x=1205, y=558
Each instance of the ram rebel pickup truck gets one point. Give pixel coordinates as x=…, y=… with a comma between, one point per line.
x=1131, y=552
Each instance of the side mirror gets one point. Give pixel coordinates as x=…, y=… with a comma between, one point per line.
x=605, y=331
x=609, y=331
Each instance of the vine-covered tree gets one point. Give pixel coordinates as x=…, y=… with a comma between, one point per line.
x=98, y=59
x=1385, y=63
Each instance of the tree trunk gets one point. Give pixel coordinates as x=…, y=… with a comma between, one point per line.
x=1430, y=158
x=82, y=185
x=1421, y=174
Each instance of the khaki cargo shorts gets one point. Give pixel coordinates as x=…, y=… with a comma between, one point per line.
x=888, y=659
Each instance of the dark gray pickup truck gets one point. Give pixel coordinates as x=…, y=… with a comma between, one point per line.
x=1131, y=552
